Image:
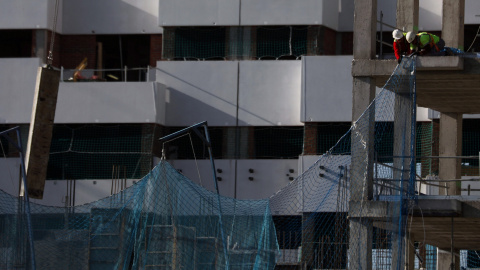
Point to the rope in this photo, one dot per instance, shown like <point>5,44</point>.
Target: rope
<point>52,38</point>
<point>195,158</point>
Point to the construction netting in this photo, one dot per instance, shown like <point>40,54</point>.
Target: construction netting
<point>96,151</point>
<point>165,221</point>
<point>349,210</point>
<point>371,165</point>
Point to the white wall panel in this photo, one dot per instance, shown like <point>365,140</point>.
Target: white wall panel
<point>106,102</point>
<point>269,93</point>
<point>472,12</point>
<point>287,12</point>
<point>199,91</point>
<point>189,168</point>
<point>269,176</point>
<point>110,17</point>
<point>326,89</point>
<point>18,77</point>
<point>198,12</point>
<point>24,14</point>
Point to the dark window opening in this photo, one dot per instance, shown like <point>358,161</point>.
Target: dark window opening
<point>277,41</point>
<point>118,51</point>
<point>206,43</point>
<point>191,146</point>
<point>278,142</point>
<point>328,134</point>
<point>15,43</point>
<point>93,151</point>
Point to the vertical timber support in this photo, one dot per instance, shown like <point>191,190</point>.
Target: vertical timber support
<point>40,133</point>
<point>361,189</point>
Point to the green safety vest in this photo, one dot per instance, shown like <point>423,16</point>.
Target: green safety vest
<point>424,39</point>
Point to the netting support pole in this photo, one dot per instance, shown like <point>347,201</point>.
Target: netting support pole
<point>18,146</point>
<point>206,140</point>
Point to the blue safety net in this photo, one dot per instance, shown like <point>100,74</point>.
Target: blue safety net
<point>348,210</point>
<point>164,221</point>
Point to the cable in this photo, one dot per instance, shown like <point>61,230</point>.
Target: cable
<point>476,35</point>
<point>195,158</point>
<point>52,38</point>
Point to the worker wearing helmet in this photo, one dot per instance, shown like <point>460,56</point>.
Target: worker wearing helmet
<point>425,43</point>
<point>400,45</point>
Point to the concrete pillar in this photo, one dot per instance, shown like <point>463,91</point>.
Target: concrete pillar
<point>40,133</point>
<point>361,188</point>
<point>453,19</point>
<point>364,29</point>
<point>444,259</point>
<point>450,138</point>
<point>407,15</point>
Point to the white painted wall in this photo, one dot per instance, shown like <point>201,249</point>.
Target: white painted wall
<point>110,17</point>
<point>248,12</point>
<point>25,14</point>
<point>18,77</point>
<point>199,12</point>
<point>472,12</point>
<point>326,89</point>
<point>286,12</point>
<point>269,93</point>
<point>199,91</point>
<point>106,102</point>
<point>204,175</point>
<point>269,176</point>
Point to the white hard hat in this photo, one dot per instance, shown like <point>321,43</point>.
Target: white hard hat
<point>397,34</point>
<point>410,36</point>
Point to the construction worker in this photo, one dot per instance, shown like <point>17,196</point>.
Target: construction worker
<point>400,45</point>
<point>425,43</point>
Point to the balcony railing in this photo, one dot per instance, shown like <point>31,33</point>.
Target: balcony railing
<point>142,74</point>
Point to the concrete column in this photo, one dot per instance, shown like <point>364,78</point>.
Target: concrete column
<point>361,188</point>
<point>40,133</point>
<point>453,20</point>
<point>407,15</point>
<point>450,138</point>
<point>364,29</point>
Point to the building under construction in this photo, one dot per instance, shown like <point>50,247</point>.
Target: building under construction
<point>299,167</point>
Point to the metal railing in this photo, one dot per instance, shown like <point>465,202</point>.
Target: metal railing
<point>141,74</point>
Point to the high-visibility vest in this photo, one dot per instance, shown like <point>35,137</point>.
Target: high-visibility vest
<point>425,38</point>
